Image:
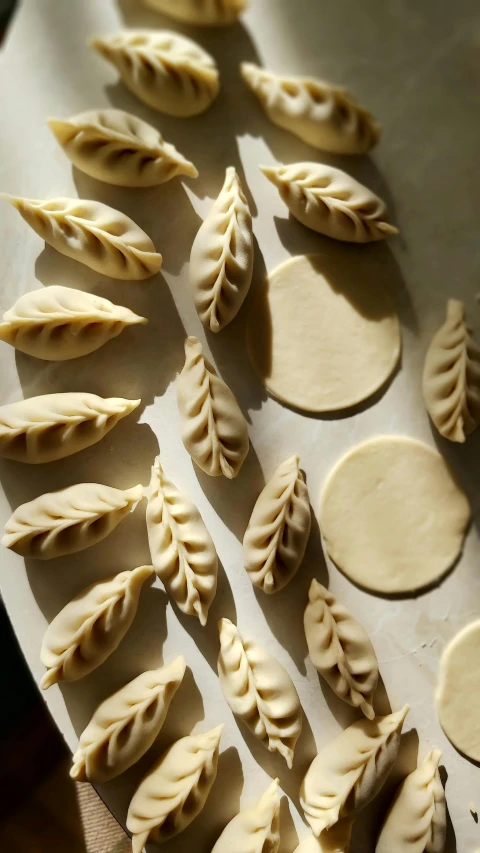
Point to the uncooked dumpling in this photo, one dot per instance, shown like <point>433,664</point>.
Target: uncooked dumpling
<point>90,627</point>
<point>451,377</point>
<point>166,70</point>
<point>181,548</point>
<point>175,790</point>
<point>69,520</point>
<point>334,840</point>
<point>392,515</point>
<point>92,233</point>
<point>331,202</point>
<point>58,323</point>
<point>458,691</point>
<point>119,148</point>
<point>221,261</point>
<point>322,115</point>
<point>349,772</point>
<point>52,426</point>
<point>126,724</point>
<point>259,691</point>
<point>256,829</point>
<point>213,428</point>
<point>200,12</point>
<point>278,530</point>
<point>340,649</point>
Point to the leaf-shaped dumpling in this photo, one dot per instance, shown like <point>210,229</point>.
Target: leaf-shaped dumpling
<point>349,772</point>
<point>58,323</point>
<point>119,148</point>
<point>98,236</point>
<point>52,426</point>
<point>334,840</point>
<point>221,261</point>
<point>278,530</point>
<point>166,70</point>
<point>451,377</point>
<point>91,626</point>
<point>69,520</point>
<point>209,13</point>
<point>256,829</point>
<point>174,791</point>
<point>340,649</point>
<point>182,551</point>
<point>331,202</point>
<point>259,691</point>
<point>126,724</point>
<point>322,115</point>
<point>213,428</point>
<point>417,819</point>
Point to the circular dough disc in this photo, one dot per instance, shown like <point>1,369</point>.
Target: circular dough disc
<point>392,516</point>
<point>323,333</point>
<point>458,692</point>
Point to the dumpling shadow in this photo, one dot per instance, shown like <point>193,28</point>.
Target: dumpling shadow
<point>451,841</point>
<point>288,833</point>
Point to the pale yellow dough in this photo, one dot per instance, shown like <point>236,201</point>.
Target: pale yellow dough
<point>392,516</point>
<point>323,334</point>
<point>458,691</point>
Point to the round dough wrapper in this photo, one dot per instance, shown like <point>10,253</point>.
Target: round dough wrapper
<point>392,515</point>
<point>323,334</point>
<point>458,692</point>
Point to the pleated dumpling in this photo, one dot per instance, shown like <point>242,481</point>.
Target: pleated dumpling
<point>256,829</point>
<point>334,840</point>
<point>349,772</point>
<point>181,548</point>
<point>210,13</point>
<point>126,724</point>
<point>166,70</point>
<point>213,428</point>
<point>52,426</point>
<point>221,261</point>
<point>331,202</point>
<point>92,233</point>
<point>340,649</point>
<point>69,520</point>
<point>58,323</point>
<point>91,626</point>
<point>259,691</point>
<point>277,533</point>
<point>320,114</point>
<point>417,819</point>
<point>119,148</point>
<point>451,377</point>
<point>175,790</point>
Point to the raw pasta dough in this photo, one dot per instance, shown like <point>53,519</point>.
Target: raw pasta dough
<point>58,323</point>
<point>119,148</point>
<point>200,12</point>
<point>334,840</point>
<point>256,829</point>
<point>458,691</point>
<point>392,516</point>
<point>322,333</point>
<point>92,233</point>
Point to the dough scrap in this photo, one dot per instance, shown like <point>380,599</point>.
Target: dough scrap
<point>52,426</point>
<point>323,335</point>
<point>458,691</point>
<point>349,772</point>
<point>451,377</point>
<point>221,261</point>
<point>277,534</point>
<point>175,790</point>
<point>331,202</point>
<point>118,148</point>
<point>213,428</point>
<point>334,840</point>
<point>69,520</point>
<point>200,12</point>
<point>392,515</point>
<point>340,649</point>
<point>256,829</point>
<point>259,691</point>
<point>92,233</point>
<point>58,323</point>
<point>182,550</point>
<point>90,627</point>
<point>126,724</point>
<point>166,70</point>
<point>320,114</point>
